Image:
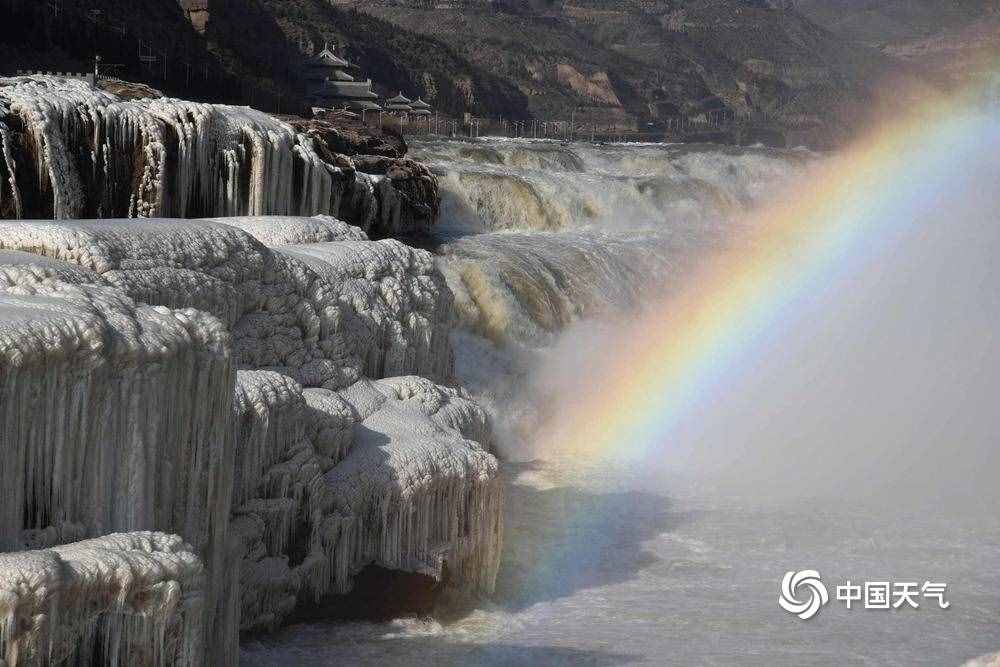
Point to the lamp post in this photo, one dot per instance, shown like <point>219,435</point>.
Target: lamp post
<point>572,122</point>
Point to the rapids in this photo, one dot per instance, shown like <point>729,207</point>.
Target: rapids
<point>546,247</point>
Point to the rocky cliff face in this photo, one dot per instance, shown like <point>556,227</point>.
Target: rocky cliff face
<point>949,41</point>
<point>275,406</point>
<point>198,12</point>
<point>633,63</point>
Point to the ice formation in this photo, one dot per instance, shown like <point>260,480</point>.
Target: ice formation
<point>420,462</point>
<point>325,314</point>
<point>398,305</point>
<point>139,595</point>
<point>184,377</point>
<point>70,151</point>
<point>90,362</point>
<point>395,472</point>
<point>285,230</point>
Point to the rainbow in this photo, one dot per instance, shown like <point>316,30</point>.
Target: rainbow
<point>849,205</point>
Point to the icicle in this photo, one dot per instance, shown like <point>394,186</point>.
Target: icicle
<point>422,492</point>
<point>401,309</point>
<point>10,167</point>
<point>222,160</point>
<point>285,493</point>
<point>91,364</point>
<point>144,590</point>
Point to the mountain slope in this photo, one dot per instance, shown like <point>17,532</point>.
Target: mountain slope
<point>397,59</point>
<point>644,64</point>
<point>651,60</point>
<point>952,38</point>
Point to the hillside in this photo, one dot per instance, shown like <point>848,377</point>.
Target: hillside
<point>240,51</point>
<point>652,60</point>
<point>880,22</point>
<point>952,38</point>
<point>397,59</point>
<point>792,65</point>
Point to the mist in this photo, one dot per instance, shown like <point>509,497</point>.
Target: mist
<point>880,387</point>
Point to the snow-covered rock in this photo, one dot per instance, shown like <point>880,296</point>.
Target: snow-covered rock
<point>90,363</point>
<point>275,230</point>
<point>398,308</point>
<point>111,418</point>
<point>124,410</point>
<point>141,592</point>
<point>393,472</point>
<point>325,314</point>
<point>421,480</point>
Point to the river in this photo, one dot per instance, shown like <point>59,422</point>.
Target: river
<point>857,437</point>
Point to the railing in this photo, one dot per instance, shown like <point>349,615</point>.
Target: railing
<point>677,127</point>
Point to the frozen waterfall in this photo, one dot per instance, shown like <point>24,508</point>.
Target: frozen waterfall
<point>71,151</point>
<point>258,402</point>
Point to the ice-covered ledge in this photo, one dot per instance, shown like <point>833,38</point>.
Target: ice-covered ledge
<point>71,151</point>
<point>144,590</point>
<point>185,377</point>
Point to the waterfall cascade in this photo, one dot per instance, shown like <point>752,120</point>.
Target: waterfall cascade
<point>181,376</point>
<point>263,390</point>
<point>540,234</point>
<point>495,184</point>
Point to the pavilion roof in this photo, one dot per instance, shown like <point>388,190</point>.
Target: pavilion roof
<point>365,105</point>
<point>327,58</point>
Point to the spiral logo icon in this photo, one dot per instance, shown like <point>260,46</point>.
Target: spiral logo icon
<point>806,582</point>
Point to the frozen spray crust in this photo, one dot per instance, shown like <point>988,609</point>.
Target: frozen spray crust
<point>383,472</point>
<point>25,268</point>
<point>87,365</point>
<point>145,588</point>
<point>280,498</point>
<point>399,309</point>
<point>416,463</point>
<point>276,230</point>
<point>325,314</point>
<point>73,354</point>
<point>294,494</point>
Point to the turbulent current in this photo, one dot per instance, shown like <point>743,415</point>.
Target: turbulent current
<point>548,248</point>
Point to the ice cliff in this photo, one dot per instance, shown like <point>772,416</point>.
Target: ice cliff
<point>137,594</point>
<point>69,151</point>
<point>264,389</point>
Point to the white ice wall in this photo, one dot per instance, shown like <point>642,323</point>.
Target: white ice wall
<point>127,416</point>
<point>86,153</point>
<point>142,593</point>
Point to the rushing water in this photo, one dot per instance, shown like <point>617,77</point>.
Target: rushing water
<point>547,247</point>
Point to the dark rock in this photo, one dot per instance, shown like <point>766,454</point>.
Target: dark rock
<point>420,200</point>
<point>378,595</point>
<point>350,140</point>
